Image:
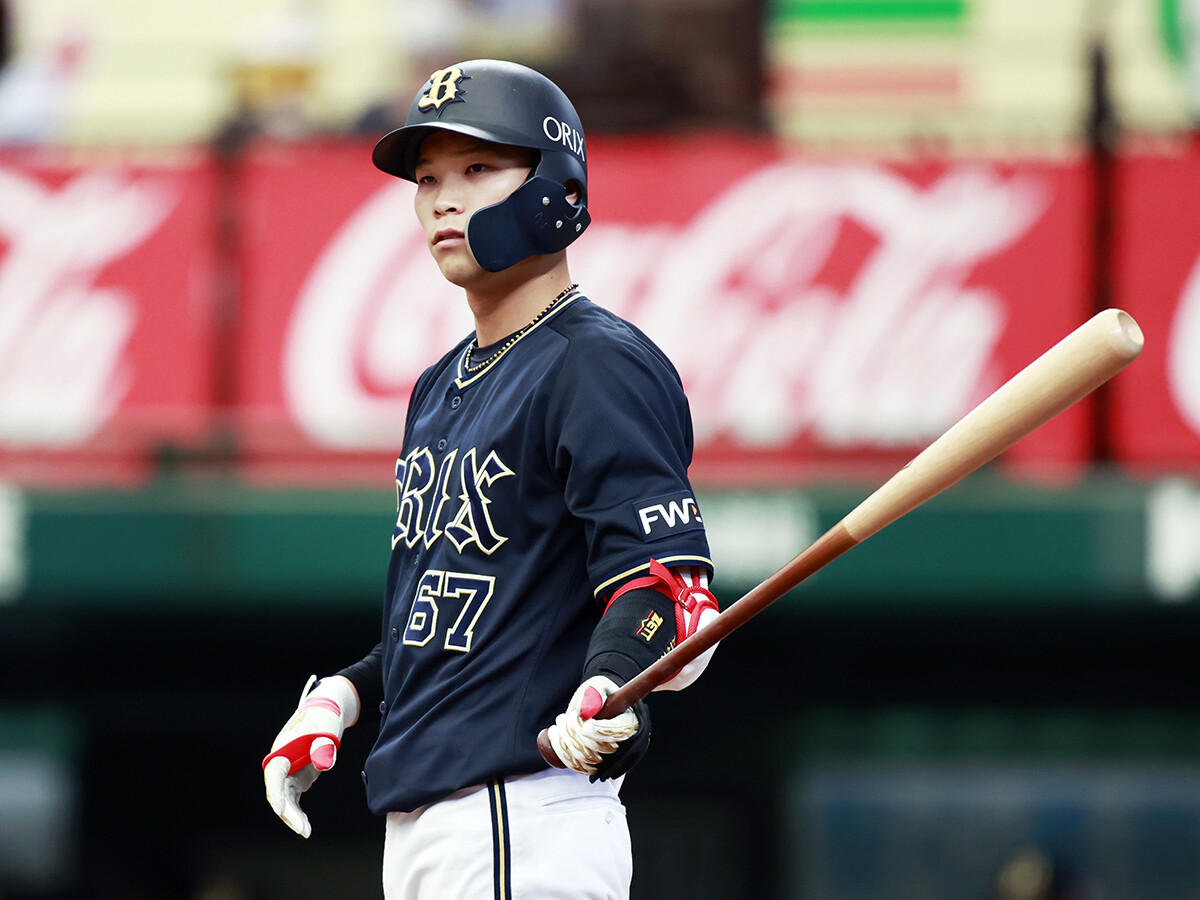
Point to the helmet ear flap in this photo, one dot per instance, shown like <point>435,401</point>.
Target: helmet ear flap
<point>537,218</point>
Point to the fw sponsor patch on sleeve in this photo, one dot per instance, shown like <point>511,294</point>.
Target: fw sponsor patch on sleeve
<point>671,514</point>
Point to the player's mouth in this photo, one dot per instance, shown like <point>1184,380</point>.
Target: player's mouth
<point>447,234</point>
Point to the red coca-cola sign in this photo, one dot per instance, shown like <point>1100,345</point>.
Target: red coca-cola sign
<point>105,311</point>
<point>1156,403</point>
<point>820,313</point>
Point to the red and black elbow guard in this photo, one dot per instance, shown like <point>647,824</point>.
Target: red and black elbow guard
<point>644,619</point>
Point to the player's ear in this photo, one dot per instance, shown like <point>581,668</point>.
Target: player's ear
<point>573,192</point>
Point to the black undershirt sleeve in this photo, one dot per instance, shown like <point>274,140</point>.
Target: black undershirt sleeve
<point>367,677</point>
<point>636,630</point>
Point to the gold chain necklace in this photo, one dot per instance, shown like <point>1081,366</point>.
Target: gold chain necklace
<point>474,345</point>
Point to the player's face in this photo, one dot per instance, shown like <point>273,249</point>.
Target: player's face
<point>457,175</point>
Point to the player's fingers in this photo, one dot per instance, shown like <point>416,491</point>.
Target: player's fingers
<point>275,774</point>
<point>609,732</point>
<point>323,753</point>
<point>294,817</point>
<point>282,795</point>
<point>571,751</point>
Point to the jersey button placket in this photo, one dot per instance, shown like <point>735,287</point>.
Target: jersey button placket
<point>455,403</point>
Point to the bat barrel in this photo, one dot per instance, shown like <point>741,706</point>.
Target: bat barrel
<point>1125,337</point>
<point>1066,373</point>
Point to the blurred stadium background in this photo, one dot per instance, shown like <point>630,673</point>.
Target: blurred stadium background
<point>846,220</point>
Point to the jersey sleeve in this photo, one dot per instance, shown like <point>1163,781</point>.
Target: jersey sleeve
<point>620,435</point>
<point>367,677</point>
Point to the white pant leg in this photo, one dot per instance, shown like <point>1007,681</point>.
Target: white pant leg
<point>443,850</point>
<point>570,838</point>
<point>548,836</point>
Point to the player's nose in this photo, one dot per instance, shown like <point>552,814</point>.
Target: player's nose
<point>447,201</point>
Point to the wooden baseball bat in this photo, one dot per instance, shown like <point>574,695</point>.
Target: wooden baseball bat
<point>1066,373</point>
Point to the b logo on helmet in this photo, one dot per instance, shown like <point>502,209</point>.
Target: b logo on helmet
<point>443,88</point>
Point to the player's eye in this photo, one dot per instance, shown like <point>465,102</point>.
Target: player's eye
<point>476,168</point>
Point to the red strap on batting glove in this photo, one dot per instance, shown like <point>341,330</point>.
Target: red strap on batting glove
<point>316,747</point>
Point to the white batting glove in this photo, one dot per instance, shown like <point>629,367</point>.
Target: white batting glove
<point>582,741</point>
<point>307,746</point>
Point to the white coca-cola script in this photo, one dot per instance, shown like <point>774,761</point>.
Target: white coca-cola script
<point>63,368</point>
<point>768,353</point>
<point>1183,362</point>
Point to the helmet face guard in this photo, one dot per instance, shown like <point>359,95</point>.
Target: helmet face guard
<point>503,103</point>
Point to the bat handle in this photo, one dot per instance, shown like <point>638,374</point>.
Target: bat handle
<point>829,546</point>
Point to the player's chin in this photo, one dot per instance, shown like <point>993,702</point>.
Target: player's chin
<point>457,265</point>
<point>461,271</point>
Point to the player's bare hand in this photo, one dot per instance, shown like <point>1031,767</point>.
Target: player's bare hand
<point>600,748</point>
<point>306,746</point>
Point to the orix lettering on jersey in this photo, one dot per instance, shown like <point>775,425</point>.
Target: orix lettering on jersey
<point>449,500</point>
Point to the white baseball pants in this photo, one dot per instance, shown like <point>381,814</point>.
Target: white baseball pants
<point>548,836</point>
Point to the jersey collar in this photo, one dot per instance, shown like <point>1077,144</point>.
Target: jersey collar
<point>463,378</point>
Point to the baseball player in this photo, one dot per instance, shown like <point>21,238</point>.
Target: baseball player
<point>547,544</point>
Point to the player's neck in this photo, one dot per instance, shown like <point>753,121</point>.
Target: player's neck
<point>506,305</point>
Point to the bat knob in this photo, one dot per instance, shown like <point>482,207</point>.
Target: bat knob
<point>547,750</point>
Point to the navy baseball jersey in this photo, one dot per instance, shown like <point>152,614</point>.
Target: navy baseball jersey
<point>527,489</point>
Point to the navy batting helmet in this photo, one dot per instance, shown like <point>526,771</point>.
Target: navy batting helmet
<point>504,103</point>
